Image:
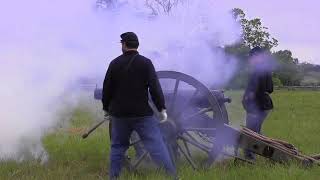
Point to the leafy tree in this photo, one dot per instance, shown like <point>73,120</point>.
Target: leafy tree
<point>311,74</point>
<point>276,81</point>
<point>288,70</point>
<point>307,67</point>
<point>254,33</point>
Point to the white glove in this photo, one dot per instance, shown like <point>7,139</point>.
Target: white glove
<point>163,116</point>
<point>106,115</point>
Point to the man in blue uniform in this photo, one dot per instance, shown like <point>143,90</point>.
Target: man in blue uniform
<point>129,80</point>
<point>256,99</point>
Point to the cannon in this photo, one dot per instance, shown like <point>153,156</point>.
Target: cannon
<point>194,113</point>
<point>198,127</point>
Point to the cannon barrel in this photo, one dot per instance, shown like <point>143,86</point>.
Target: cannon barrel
<point>198,101</point>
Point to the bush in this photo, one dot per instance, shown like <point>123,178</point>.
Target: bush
<point>277,82</point>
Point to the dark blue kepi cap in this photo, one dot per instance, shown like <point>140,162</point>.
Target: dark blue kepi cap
<point>256,50</point>
<point>129,37</point>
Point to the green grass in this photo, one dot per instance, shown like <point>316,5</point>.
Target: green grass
<point>295,119</point>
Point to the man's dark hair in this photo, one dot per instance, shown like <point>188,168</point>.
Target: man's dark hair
<point>256,50</point>
<point>132,44</point>
<point>130,39</point>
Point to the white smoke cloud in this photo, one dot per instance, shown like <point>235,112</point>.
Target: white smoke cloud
<point>186,40</point>
<point>47,45</point>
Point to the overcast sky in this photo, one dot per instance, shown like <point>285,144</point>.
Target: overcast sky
<point>295,23</point>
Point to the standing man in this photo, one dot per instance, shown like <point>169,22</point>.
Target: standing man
<point>129,79</point>
<point>256,100</point>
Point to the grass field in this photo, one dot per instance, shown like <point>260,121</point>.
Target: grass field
<point>296,118</point>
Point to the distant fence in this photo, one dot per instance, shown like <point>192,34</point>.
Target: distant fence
<point>293,88</point>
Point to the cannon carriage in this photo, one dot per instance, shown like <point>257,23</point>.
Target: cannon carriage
<point>198,127</point>
<point>194,113</point>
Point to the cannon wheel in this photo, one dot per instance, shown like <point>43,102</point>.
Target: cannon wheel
<point>192,119</point>
<point>212,97</point>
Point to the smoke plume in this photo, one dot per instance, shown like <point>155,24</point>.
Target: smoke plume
<point>46,46</point>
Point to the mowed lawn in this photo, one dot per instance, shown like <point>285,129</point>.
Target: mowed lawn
<point>296,118</point>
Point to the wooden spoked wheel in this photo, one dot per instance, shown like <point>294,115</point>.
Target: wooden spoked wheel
<point>194,114</point>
